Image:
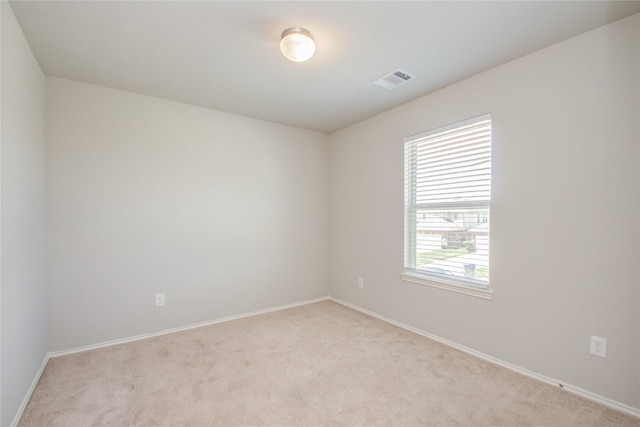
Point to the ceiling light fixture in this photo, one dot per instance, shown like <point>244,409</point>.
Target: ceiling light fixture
<point>297,44</point>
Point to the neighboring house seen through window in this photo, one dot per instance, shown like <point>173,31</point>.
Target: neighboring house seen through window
<point>447,203</point>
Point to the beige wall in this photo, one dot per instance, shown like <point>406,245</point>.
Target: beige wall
<point>23,337</point>
<point>222,213</point>
<point>565,213</point>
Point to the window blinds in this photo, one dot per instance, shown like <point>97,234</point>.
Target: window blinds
<point>447,201</point>
<point>451,166</point>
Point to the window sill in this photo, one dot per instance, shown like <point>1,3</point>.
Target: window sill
<point>448,285</point>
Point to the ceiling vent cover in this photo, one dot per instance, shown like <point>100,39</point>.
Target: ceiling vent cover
<point>394,79</point>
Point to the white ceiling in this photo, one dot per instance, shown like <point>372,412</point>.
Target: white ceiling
<point>225,55</point>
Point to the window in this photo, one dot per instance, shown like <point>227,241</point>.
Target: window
<point>447,203</point>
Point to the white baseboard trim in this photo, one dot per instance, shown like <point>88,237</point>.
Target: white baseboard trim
<point>181,328</point>
<point>27,396</point>
<point>573,389</point>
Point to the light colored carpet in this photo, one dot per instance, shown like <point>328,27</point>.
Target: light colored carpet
<point>321,364</point>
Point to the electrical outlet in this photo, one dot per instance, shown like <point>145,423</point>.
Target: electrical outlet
<point>599,346</point>
<point>360,283</point>
<point>159,300</point>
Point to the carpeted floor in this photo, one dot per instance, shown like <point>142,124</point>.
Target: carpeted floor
<point>321,364</point>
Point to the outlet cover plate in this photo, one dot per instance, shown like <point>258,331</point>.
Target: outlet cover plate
<point>598,346</point>
<point>159,300</point>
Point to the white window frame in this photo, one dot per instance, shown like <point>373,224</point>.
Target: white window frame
<point>464,285</point>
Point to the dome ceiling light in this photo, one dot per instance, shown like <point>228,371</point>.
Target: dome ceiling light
<point>297,44</point>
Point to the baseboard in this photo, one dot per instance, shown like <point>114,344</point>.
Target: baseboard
<point>27,396</point>
<point>181,328</point>
<point>522,371</point>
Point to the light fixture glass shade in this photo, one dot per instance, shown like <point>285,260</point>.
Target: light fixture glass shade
<point>297,44</point>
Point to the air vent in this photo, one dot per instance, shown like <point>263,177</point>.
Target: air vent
<point>394,79</point>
